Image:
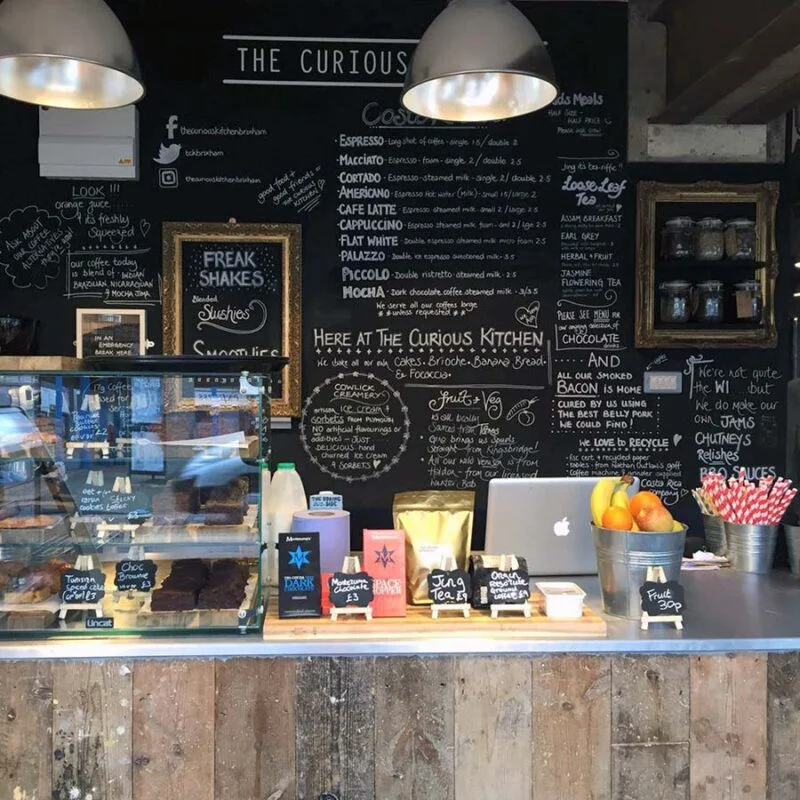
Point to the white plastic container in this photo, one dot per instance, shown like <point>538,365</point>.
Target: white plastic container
<point>562,599</point>
<point>286,495</point>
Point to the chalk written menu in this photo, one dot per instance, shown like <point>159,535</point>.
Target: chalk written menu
<point>467,288</point>
<point>232,298</point>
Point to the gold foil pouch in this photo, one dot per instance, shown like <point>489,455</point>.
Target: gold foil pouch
<point>436,524</point>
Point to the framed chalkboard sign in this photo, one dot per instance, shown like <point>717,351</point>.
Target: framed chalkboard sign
<point>233,289</point>
<point>110,332</point>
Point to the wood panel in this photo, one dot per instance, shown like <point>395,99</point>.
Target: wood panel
<point>91,747</point>
<point>335,744</point>
<point>26,718</point>
<point>493,728</point>
<point>783,721</point>
<point>571,728</point>
<point>173,730</point>
<point>414,728</point>
<point>728,727</point>
<point>418,622</point>
<point>650,728</point>
<point>255,728</point>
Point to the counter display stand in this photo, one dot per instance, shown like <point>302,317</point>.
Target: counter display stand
<point>158,471</point>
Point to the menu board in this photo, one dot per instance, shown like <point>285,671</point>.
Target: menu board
<point>467,288</point>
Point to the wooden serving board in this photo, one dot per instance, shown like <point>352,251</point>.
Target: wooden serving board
<point>419,623</point>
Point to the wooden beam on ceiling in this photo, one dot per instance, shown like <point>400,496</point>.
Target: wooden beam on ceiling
<point>714,47</point>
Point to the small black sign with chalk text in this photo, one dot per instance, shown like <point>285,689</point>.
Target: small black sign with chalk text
<point>99,623</point>
<point>662,599</point>
<point>82,586</point>
<point>135,576</point>
<point>508,586</point>
<point>449,586</point>
<point>350,589</point>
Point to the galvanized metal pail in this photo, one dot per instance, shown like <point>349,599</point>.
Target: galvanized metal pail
<point>793,546</point>
<point>751,548</point>
<point>714,528</point>
<point>622,561</point>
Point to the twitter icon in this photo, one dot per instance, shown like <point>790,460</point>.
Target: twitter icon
<point>167,155</point>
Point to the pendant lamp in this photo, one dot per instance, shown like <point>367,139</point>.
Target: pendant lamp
<point>66,54</point>
<point>480,60</point>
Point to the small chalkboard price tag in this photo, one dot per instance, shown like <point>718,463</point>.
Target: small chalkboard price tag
<point>82,587</point>
<point>350,589</point>
<point>449,586</point>
<point>509,587</point>
<point>135,576</point>
<point>662,599</point>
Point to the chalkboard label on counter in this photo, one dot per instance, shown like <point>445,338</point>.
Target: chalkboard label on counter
<point>509,587</point>
<point>99,623</point>
<point>449,586</point>
<point>350,589</point>
<point>299,587</point>
<point>136,576</point>
<point>80,586</point>
<point>662,599</point>
<point>97,500</point>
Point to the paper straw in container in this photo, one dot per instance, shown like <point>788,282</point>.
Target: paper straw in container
<point>741,501</point>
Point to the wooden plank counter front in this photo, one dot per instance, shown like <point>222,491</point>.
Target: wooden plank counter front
<point>528,727</point>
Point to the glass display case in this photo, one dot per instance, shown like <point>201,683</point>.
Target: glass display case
<point>130,501</point>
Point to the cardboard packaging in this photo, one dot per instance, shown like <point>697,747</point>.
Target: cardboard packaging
<point>299,586</point>
<point>385,561</point>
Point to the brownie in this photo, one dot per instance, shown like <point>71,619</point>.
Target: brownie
<point>221,596</point>
<point>223,513</point>
<point>173,600</point>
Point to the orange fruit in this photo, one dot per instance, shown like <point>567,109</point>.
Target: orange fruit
<point>617,519</point>
<point>643,501</point>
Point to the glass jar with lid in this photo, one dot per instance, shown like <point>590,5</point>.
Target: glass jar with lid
<point>675,302</point>
<point>740,239</point>
<point>677,238</point>
<point>748,304</point>
<point>709,239</point>
<point>710,302</point>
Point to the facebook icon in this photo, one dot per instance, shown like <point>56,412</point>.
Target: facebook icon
<point>172,126</point>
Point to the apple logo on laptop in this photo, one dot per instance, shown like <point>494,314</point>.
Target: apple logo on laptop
<point>561,528</point>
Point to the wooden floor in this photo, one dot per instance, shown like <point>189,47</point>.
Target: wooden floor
<point>464,728</point>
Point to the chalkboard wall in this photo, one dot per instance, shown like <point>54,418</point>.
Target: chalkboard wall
<point>467,290</point>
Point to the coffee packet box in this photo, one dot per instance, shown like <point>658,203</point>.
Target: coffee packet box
<point>299,583</point>
<point>481,566</point>
<point>385,562</point>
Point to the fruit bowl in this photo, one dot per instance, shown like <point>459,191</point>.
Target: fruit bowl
<point>623,558</point>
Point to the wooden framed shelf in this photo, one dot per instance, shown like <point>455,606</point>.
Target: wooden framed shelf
<point>658,201</point>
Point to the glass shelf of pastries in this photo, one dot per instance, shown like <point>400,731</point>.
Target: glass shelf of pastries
<point>129,501</point>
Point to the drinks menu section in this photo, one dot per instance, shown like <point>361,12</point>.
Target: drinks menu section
<point>468,289</point>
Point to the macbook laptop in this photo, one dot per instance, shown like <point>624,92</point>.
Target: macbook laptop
<point>545,520</point>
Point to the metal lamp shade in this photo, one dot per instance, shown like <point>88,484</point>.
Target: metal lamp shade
<point>66,54</point>
<point>480,60</point>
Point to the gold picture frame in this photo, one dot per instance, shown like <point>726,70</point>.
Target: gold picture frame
<point>764,196</point>
<point>174,235</point>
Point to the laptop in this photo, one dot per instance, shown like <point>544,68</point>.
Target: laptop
<point>545,520</point>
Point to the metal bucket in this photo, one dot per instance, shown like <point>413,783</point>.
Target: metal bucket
<point>622,561</point>
<point>714,529</point>
<point>751,548</point>
<point>793,546</point>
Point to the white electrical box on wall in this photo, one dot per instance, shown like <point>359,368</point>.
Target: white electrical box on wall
<point>89,144</point>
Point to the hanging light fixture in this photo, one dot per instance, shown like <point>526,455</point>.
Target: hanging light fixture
<point>66,54</point>
<point>479,60</point>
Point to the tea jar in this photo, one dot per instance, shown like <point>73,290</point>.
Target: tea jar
<point>740,239</point>
<point>748,303</point>
<point>677,238</point>
<point>675,302</point>
<point>710,302</point>
<point>709,239</point>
